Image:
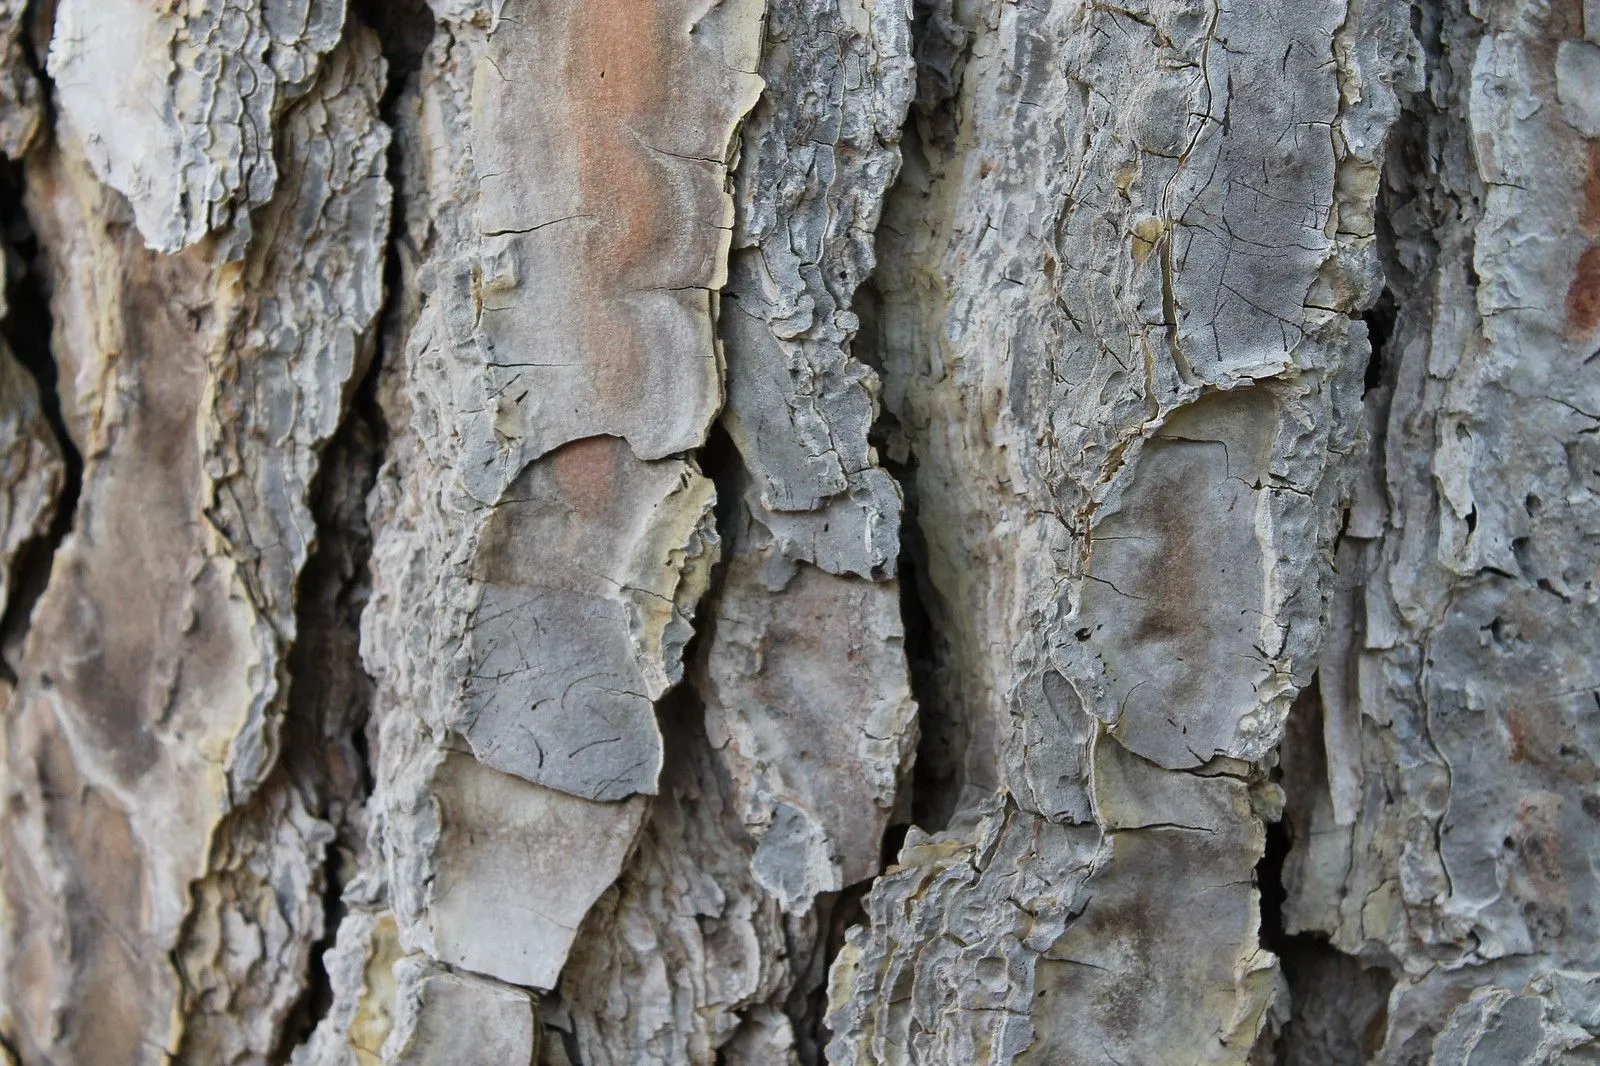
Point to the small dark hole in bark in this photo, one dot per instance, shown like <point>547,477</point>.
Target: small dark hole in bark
<point>1380,320</point>
<point>894,838</point>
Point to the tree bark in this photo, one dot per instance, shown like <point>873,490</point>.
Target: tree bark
<point>853,531</point>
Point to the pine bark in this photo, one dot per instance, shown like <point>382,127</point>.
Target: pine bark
<point>794,531</point>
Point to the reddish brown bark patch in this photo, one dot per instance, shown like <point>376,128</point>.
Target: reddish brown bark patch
<point>1583,297</point>
<point>1589,214</point>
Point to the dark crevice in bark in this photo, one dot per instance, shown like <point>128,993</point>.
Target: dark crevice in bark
<point>41,21</point>
<point>556,1025</point>
<point>934,781</point>
<point>405,29</point>
<point>930,793</point>
<point>27,329</point>
<point>807,1008</point>
<point>330,695</point>
<point>720,461</point>
<point>894,838</point>
<point>940,46</point>
<point>1337,1007</point>
<point>1380,320</point>
<point>326,743</point>
<point>930,800</point>
<point>1269,883</point>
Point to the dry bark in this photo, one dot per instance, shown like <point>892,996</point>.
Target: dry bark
<point>716,531</point>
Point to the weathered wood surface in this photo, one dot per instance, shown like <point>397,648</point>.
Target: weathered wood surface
<point>717,531</point>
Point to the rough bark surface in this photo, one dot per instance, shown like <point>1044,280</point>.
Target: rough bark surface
<point>860,531</point>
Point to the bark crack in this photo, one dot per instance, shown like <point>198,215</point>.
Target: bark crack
<point>27,329</point>
<point>336,581</point>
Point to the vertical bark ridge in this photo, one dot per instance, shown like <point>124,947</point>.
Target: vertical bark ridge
<point>541,550</point>
<point>164,867</point>
<point>1450,845</point>
<point>1079,307</point>
<point>803,726</point>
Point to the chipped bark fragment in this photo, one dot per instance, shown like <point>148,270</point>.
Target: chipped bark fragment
<point>189,139</point>
<point>485,874</point>
<point>575,709</point>
<point>600,137</point>
<point>449,1018</point>
<point>1178,620</point>
<point>1182,603</point>
<point>814,720</point>
<point>591,566</point>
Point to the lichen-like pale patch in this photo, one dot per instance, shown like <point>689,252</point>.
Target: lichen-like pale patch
<point>177,109</point>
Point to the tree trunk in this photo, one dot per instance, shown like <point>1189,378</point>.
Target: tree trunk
<point>714,531</point>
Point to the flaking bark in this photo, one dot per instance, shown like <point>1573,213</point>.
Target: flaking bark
<point>740,531</point>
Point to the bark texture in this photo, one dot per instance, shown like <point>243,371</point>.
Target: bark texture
<point>793,531</point>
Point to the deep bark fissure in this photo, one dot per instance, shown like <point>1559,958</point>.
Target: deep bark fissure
<point>1380,320</point>
<point>940,45</point>
<point>1337,1003</point>
<point>405,29</point>
<point>27,329</point>
<point>341,557</point>
<point>933,790</point>
<point>1270,885</point>
<point>339,563</point>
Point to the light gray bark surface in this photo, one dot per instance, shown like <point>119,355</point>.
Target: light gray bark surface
<point>784,531</point>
